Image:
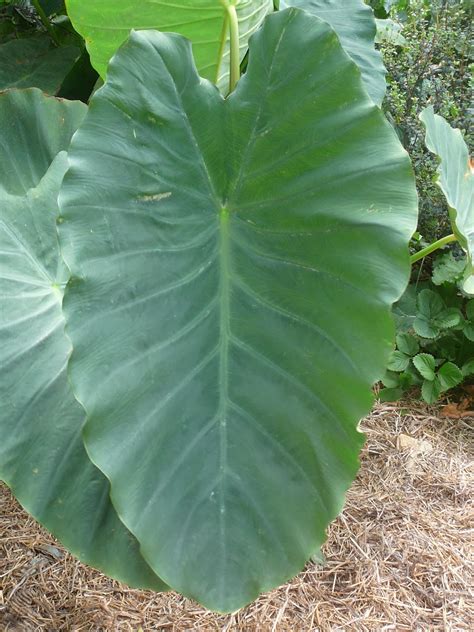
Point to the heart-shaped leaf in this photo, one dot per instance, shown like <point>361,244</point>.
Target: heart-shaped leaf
<point>355,26</point>
<point>218,247</point>
<point>42,456</point>
<point>35,62</point>
<point>106,24</point>
<point>456,180</point>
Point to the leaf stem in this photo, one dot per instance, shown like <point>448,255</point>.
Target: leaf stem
<point>45,20</point>
<point>234,47</point>
<point>432,247</point>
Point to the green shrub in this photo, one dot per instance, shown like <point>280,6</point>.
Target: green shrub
<point>432,67</point>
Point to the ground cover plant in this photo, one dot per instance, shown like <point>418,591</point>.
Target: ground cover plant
<point>176,283</point>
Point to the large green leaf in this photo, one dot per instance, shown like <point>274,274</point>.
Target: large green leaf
<point>106,24</point>
<point>35,62</point>
<point>355,26</point>
<point>234,262</point>
<point>42,456</point>
<point>456,180</point>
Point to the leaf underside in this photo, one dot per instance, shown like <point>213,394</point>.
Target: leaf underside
<point>106,24</point>
<point>42,456</point>
<point>218,248</point>
<point>456,179</point>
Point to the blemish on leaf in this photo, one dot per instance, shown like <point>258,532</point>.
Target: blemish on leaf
<point>154,198</point>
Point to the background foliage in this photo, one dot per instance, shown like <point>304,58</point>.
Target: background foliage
<point>432,66</point>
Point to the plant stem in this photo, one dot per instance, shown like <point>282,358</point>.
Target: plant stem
<point>234,47</point>
<point>432,247</point>
<point>45,20</point>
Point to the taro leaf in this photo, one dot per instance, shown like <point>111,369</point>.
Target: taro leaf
<point>42,456</point>
<point>218,247</point>
<point>456,180</point>
<point>33,62</point>
<point>354,24</point>
<point>106,24</point>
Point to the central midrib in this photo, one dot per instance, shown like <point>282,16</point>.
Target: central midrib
<point>224,335</point>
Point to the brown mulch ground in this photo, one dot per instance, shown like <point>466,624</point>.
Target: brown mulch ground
<point>400,556</point>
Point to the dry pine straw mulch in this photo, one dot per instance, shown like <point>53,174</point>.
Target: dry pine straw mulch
<point>399,557</point>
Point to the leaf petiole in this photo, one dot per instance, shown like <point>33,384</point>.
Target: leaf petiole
<point>432,247</point>
<point>45,20</point>
<point>234,47</point>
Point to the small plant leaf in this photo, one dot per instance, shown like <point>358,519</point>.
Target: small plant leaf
<point>447,269</point>
<point>408,344</point>
<point>449,376</point>
<point>468,368</point>
<point>470,310</point>
<point>430,391</point>
<point>425,327</point>
<point>391,379</point>
<point>468,330</point>
<point>425,363</point>
<point>398,361</point>
<point>448,318</point>
<point>430,304</point>
<point>390,394</point>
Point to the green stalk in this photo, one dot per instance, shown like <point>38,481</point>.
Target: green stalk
<point>432,247</point>
<point>45,20</point>
<point>234,47</point>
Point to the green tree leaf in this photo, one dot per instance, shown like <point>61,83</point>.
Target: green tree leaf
<point>354,24</point>
<point>430,391</point>
<point>218,247</point>
<point>33,62</point>
<point>449,376</point>
<point>106,24</point>
<point>42,456</point>
<point>425,363</point>
<point>456,180</point>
